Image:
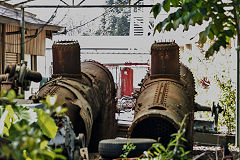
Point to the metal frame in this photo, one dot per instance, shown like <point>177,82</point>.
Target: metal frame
<point>86,6</point>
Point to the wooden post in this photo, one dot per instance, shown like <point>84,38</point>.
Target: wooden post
<point>2,51</point>
<point>22,35</point>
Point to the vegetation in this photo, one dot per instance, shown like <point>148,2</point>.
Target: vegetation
<point>227,100</point>
<point>27,131</point>
<point>127,148</point>
<point>116,21</point>
<point>219,70</point>
<point>222,18</point>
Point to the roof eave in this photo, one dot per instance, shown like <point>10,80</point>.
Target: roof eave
<point>6,20</point>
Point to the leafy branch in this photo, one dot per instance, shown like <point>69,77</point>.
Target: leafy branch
<point>223,22</point>
<point>26,130</point>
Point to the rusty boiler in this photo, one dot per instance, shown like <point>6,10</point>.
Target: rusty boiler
<point>165,97</point>
<point>87,90</point>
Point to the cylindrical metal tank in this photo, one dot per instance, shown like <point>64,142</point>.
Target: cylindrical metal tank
<point>160,108</point>
<point>165,60</point>
<point>164,100</point>
<point>66,58</point>
<point>89,98</point>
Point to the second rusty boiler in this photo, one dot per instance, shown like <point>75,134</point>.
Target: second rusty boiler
<point>86,89</point>
<point>164,98</point>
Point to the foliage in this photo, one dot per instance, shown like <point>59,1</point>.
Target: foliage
<point>227,101</point>
<point>173,151</point>
<point>222,18</point>
<point>116,20</point>
<point>26,130</point>
<point>127,148</point>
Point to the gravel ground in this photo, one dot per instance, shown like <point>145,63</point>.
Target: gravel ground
<point>199,153</point>
<point>213,153</point>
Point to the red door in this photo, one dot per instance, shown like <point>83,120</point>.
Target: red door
<point>126,81</point>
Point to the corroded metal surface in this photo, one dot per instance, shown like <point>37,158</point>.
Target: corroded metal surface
<point>66,58</point>
<point>16,76</point>
<point>187,79</point>
<point>90,99</point>
<point>160,108</point>
<point>165,60</point>
<point>165,97</point>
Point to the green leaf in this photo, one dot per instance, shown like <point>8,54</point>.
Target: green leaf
<point>9,119</point>
<point>50,154</point>
<point>58,150</point>
<point>156,9</point>
<point>186,153</point>
<point>209,52</point>
<point>210,35</point>
<point>169,26</point>
<point>176,23</point>
<point>202,37</point>
<point>25,155</point>
<point>175,3</point>
<point>157,149</point>
<point>51,100</point>
<point>185,7</point>
<point>11,95</point>
<point>3,93</point>
<point>214,29</point>
<point>203,11</point>
<point>228,33</point>
<point>46,123</point>
<point>158,28</point>
<point>43,144</point>
<point>162,148</point>
<point>182,138</point>
<point>189,60</point>
<point>166,5</point>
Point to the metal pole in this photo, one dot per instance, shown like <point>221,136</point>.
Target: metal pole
<point>237,138</point>
<point>86,6</point>
<point>22,35</point>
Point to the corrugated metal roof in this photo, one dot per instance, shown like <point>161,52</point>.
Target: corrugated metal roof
<point>10,15</point>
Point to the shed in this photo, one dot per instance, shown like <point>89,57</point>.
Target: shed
<point>36,32</point>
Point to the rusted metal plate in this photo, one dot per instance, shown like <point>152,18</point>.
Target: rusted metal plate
<point>186,77</point>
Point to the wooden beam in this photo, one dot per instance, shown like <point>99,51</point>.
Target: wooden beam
<point>12,33</point>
